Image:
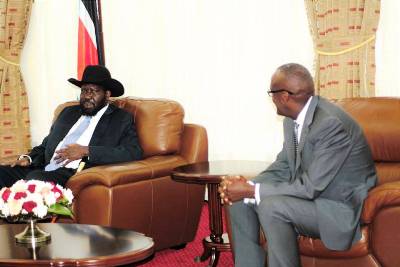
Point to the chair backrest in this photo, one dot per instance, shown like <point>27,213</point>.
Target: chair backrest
<point>380,119</point>
<point>159,123</point>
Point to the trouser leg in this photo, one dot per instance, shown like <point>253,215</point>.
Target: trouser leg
<point>59,176</point>
<point>245,235</point>
<point>282,219</point>
<point>9,175</point>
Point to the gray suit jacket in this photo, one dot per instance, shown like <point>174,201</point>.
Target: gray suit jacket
<point>334,168</point>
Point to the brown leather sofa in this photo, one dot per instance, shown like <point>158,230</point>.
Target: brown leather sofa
<point>380,244</point>
<point>141,195</point>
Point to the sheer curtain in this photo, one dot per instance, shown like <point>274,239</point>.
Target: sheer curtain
<point>14,109</point>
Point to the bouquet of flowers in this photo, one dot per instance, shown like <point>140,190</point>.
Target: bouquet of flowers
<point>34,199</point>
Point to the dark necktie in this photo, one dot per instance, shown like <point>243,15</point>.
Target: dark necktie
<point>295,139</point>
<point>69,139</point>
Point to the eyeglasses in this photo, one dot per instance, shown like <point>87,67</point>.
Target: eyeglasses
<point>272,92</point>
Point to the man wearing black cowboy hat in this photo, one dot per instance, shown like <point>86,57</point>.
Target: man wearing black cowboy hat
<point>96,131</point>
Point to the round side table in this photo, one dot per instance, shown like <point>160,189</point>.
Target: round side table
<point>211,173</point>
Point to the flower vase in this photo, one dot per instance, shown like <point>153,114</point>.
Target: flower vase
<point>32,234</point>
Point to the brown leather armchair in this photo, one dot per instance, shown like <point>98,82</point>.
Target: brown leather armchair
<point>141,195</point>
<point>380,244</point>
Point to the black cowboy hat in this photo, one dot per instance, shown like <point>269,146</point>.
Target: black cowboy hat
<point>97,74</point>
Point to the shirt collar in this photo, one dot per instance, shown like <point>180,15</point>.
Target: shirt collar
<point>302,115</point>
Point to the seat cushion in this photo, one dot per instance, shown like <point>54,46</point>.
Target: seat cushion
<point>315,248</point>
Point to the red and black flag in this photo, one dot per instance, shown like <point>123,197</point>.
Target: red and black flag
<point>90,35</point>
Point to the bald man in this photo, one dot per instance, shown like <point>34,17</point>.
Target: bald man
<point>315,187</point>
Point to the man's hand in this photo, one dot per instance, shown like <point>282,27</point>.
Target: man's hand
<point>70,153</point>
<point>235,188</point>
<point>24,162</point>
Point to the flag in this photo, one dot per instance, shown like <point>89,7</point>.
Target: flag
<point>90,35</point>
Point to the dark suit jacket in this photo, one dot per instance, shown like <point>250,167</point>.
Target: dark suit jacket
<point>334,168</point>
<point>114,138</point>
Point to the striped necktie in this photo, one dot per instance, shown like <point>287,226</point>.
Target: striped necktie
<point>69,139</point>
<point>295,139</point>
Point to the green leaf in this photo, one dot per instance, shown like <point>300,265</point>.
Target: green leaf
<point>59,209</point>
<point>63,201</point>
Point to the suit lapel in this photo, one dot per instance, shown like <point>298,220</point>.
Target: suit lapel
<point>64,124</point>
<point>306,128</point>
<point>288,136</point>
<point>101,126</point>
<point>67,123</point>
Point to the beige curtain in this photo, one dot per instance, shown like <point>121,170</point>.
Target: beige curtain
<point>344,41</point>
<point>14,110</point>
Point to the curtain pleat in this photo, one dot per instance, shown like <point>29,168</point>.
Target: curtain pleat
<point>343,32</point>
<point>14,109</point>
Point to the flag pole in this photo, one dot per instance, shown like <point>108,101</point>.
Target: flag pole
<point>90,35</point>
<point>100,51</point>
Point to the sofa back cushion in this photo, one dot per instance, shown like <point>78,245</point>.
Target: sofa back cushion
<point>380,119</point>
<point>159,123</point>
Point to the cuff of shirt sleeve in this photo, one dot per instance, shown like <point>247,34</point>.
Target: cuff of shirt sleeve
<point>25,156</point>
<point>257,193</point>
<point>256,199</point>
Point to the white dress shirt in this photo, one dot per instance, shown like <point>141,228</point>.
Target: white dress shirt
<point>85,138</point>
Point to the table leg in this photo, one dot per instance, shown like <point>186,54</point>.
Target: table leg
<point>216,227</point>
<point>214,258</point>
<point>215,213</point>
<point>209,252</point>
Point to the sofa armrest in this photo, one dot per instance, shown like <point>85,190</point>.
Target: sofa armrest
<point>194,144</point>
<point>382,196</point>
<point>124,173</point>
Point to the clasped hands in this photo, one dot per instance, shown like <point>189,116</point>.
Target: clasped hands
<point>70,153</point>
<point>235,188</point>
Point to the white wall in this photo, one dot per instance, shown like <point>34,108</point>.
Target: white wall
<point>48,60</point>
<point>387,50</point>
<point>214,57</point>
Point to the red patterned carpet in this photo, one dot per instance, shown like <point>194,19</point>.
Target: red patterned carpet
<point>184,257</point>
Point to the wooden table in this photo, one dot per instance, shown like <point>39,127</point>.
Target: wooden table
<point>75,245</point>
<point>211,173</point>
